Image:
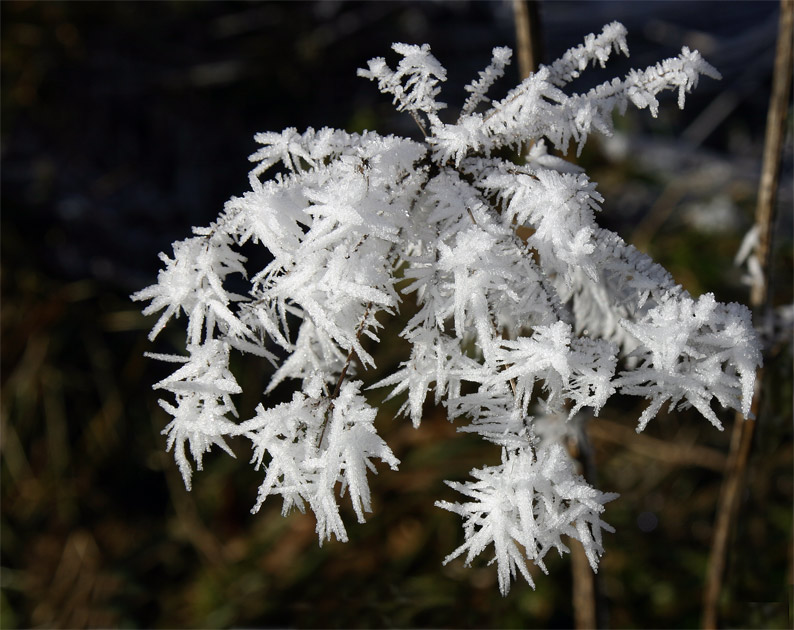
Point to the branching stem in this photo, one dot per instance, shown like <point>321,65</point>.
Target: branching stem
<point>342,375</point>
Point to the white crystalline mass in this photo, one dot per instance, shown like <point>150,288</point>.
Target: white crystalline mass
<point>527,311</point>
<point>313,443</point>
<point>523,507</point>
<point>690,352</point>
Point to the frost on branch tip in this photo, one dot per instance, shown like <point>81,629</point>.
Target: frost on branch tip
<point>312,444</point>
<point>523,507</point>
<point>518,338</point>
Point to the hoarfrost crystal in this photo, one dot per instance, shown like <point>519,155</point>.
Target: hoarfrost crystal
<point>537,328</point>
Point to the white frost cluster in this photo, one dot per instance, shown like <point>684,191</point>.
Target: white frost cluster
<point>526,309</point>
<point>532,500</point>
<point>311,444</point>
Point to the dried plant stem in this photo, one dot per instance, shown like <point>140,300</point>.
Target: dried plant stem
<point>743,430</point>
<point>527,36</point>
<point>773,144</point>
<point>584,595</point>
<point>343,374</point>
<point>528,51</point>
<point>727,511</point>
<point>589,605</point>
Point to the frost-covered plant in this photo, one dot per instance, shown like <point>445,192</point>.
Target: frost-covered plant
<point>509,333</point>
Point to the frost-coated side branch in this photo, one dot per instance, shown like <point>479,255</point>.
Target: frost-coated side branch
<point>513,336</point>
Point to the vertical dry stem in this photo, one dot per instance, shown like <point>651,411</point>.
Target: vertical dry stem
<point>584,595</point>
<point>589,607</point>
<point>773,145</point>
<point>528,51</point>
<point>527,36</point>
<point>741,439</point>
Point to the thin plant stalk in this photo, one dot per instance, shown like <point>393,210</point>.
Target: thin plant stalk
<point>528,48</point>
<point>743,430</point>
<point>528,52</point>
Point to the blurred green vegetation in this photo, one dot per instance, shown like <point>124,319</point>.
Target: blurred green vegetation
<point>97,529</point>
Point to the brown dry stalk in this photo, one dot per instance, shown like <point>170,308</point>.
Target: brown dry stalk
<point>343,374</point>
<point>528,51</point>
<point>584,596</point>
<point>773,144</point>
<point>743,430</point>
<point>527,36</point>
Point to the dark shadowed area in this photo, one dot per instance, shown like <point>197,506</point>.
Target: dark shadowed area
<point>126,123</point>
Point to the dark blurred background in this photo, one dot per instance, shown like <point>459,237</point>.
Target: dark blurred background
<point>124,124</point>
